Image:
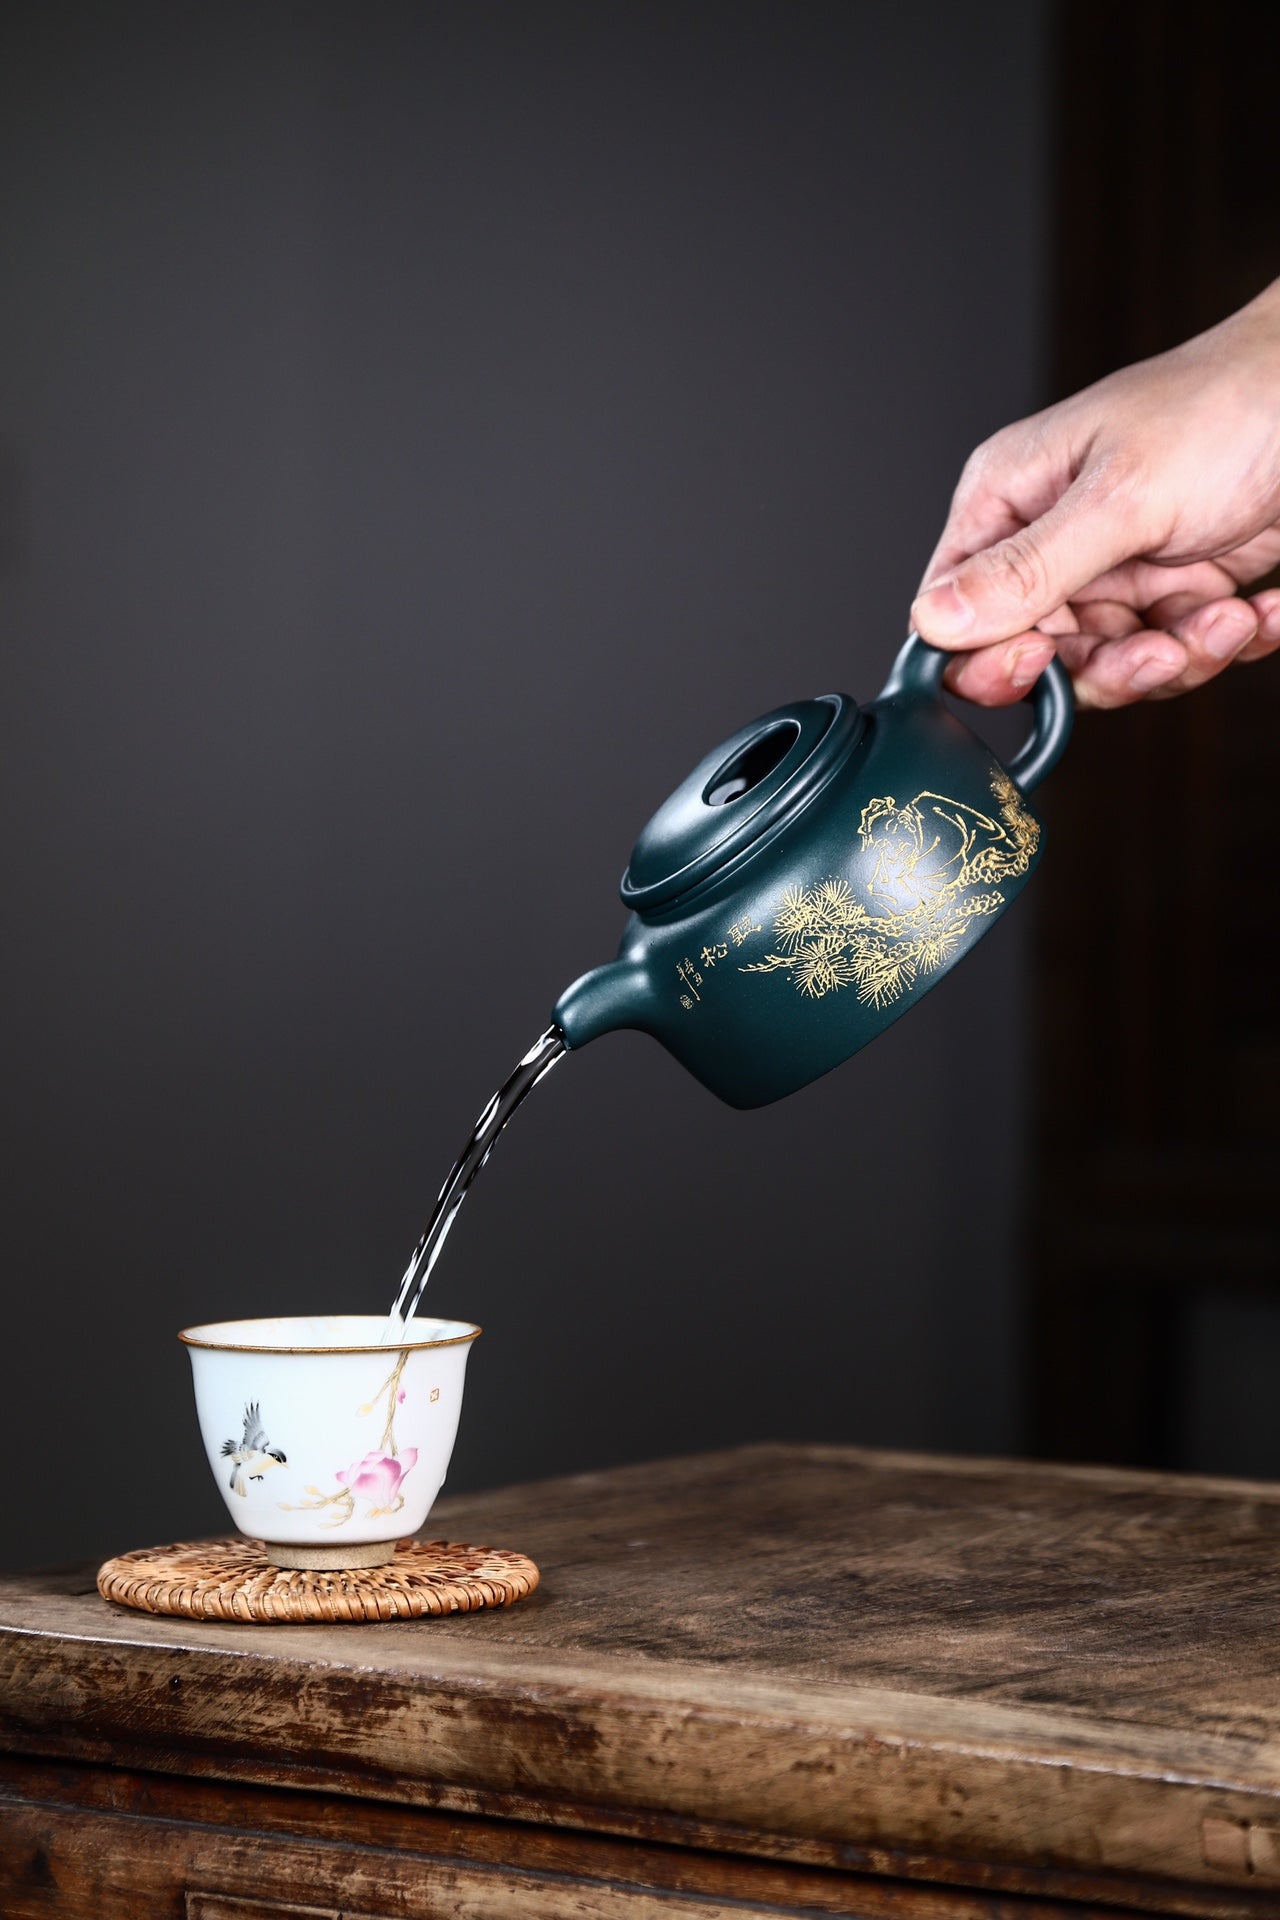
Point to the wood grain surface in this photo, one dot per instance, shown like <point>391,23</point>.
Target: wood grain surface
<point>1064,1682</point>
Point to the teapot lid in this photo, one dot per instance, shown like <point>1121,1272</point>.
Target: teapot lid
<point>740,791</point>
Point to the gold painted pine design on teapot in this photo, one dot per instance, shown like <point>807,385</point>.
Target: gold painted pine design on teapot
<point>938,863</point>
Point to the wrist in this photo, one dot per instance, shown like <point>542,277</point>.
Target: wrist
<point>1256,327</point>
<point>1266,302</point>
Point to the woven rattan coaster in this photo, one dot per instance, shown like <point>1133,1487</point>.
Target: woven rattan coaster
<point>233,1580</point>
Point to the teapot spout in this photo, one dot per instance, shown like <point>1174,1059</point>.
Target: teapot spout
<point>617,995</point>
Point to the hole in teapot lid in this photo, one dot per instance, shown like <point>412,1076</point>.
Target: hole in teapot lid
<point>752,764</point>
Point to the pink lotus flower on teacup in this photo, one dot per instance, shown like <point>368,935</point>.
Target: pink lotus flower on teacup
<point>378,1477</point>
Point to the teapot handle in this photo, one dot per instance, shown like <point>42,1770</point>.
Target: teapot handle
<point>919,668</point>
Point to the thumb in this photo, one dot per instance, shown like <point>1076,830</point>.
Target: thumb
<point>1005,589</point>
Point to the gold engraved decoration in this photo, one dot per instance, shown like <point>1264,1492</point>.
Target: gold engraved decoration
<point>935,864</point>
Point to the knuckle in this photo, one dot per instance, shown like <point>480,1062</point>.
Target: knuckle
<point>974,468</point>
<point>1016,567</point>
<point>987,457</point>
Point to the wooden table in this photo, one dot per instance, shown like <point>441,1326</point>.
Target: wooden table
<point>779,1680</point>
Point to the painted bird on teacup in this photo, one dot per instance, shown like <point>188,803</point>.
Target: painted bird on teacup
<point>252,1456</point>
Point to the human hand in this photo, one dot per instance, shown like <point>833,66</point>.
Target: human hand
<point>1119,527</point>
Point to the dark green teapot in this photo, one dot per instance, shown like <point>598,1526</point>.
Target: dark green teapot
<point>814,876</point>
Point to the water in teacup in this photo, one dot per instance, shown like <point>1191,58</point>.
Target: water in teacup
<point>538,1062</point>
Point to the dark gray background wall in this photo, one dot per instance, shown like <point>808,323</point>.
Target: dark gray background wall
<point>425,431</point>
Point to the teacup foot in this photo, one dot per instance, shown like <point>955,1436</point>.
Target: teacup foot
<point>326,1558</point>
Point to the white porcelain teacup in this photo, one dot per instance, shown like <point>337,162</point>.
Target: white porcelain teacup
<point>328,1445</point>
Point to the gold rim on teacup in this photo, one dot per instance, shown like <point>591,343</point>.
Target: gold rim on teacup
<point>192,1337</point>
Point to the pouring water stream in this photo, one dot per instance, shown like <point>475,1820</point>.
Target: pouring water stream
<point>535,1065</point>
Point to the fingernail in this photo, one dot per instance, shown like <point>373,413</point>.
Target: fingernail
<point>1227,634</point>
<point>1154,671</point>
<point>942,612</point>
<point>1028,664</point>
